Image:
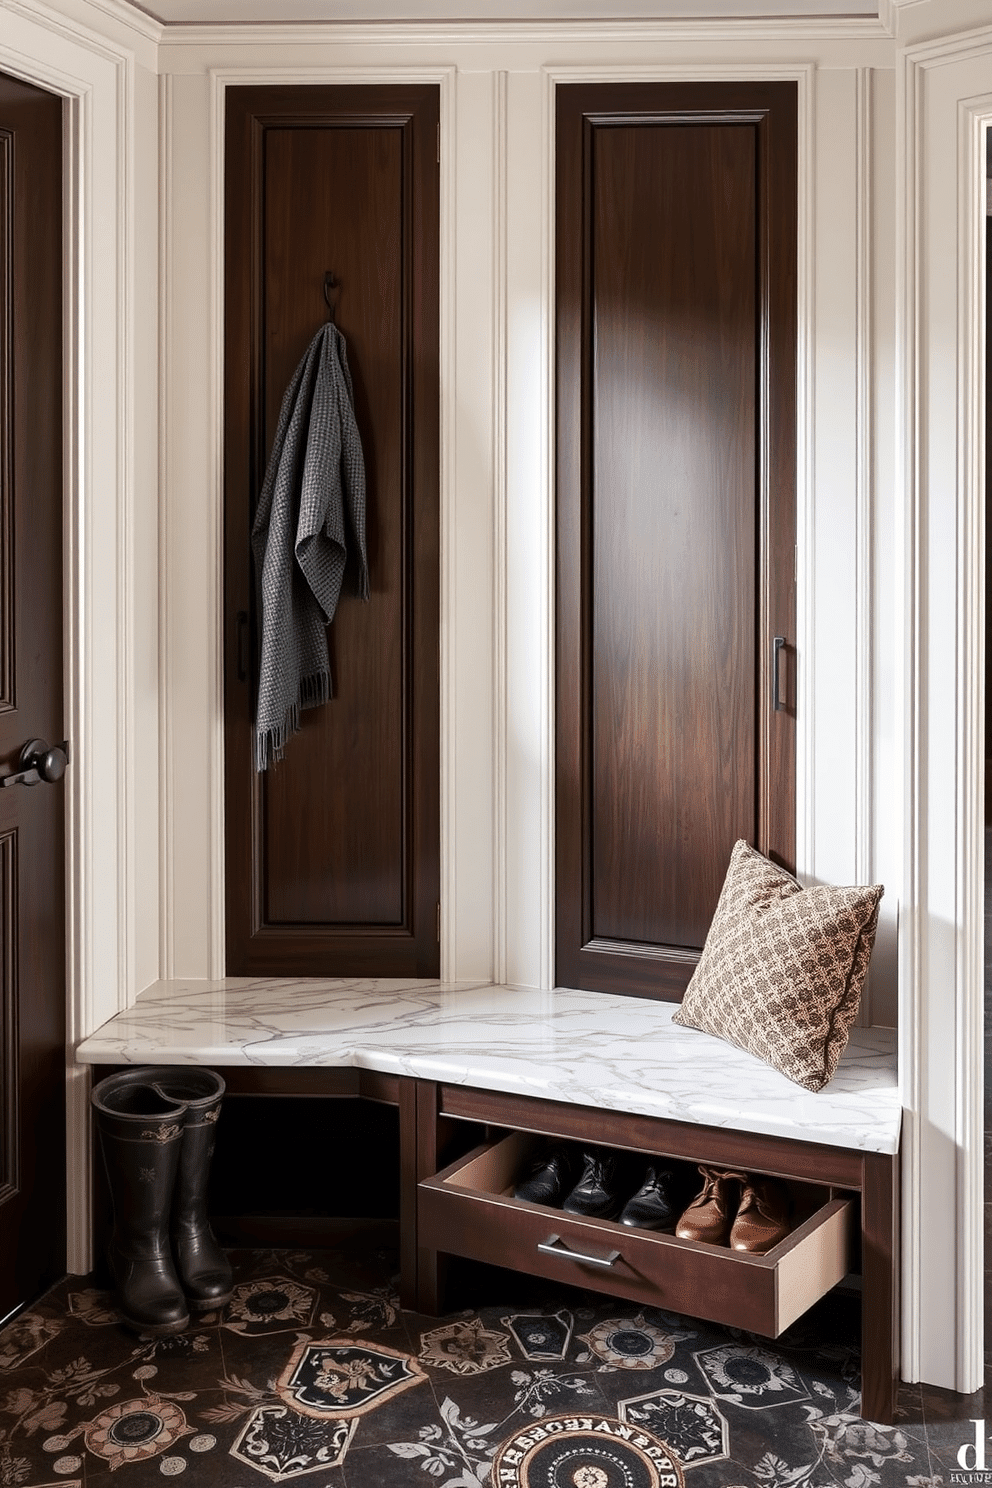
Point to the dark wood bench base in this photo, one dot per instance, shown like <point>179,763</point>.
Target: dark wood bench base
<point>438,1121</point>
<point>429,1113</point>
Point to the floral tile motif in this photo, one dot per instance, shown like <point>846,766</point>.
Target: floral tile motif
<point>133,1430</point>
<point>847,1442</point>
<point>534,1393</point>
<point>692,1425</point>
<point>371,1311</point>
<point>750,1376</point>
<point>338,1377</point>
<point>629,1343</point>
<point>93,1307</point>
<point>283,1444</point>
<point>585,1452</point>
<point>184,1346</point>
<point>24,1337</point>
<point>465,1347</point>
<point>542,1337</point>
<point>271,1304</point>
<point>460,1446</point>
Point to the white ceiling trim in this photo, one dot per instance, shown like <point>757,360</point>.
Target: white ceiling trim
<point>247,13</point>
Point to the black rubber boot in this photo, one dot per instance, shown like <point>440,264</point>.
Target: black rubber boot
<point>141,1135</point>
<point>204,1269</point>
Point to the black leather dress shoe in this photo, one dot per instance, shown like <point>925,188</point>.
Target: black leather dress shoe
<point>657,1204</point>
<point>599,1192</point>
<point>549,1177</point>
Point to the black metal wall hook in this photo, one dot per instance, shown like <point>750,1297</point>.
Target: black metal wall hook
<point>331,283</point>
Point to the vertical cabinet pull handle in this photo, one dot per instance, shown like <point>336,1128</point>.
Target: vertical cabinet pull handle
<point>778,646</point>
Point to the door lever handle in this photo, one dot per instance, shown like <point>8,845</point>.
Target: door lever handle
<point>39,762</point>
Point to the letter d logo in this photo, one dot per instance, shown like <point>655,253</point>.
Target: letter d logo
<point>978,1447</point>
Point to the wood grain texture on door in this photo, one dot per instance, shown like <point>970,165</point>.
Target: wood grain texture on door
<point>32,847</point>
<point>676,279</point>
<point>333,855</point>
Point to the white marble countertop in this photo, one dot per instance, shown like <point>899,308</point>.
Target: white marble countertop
<point>586,1048</point>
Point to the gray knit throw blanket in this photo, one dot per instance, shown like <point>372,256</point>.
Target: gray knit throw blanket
<point>312,506</point>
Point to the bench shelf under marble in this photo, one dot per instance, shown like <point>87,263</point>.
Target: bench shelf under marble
<point>587,1066</point>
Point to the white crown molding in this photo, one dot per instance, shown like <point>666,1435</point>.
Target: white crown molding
<point>131,16</point>
<point>961,46</point>
<point>140,32</point>
<point>487,33</point>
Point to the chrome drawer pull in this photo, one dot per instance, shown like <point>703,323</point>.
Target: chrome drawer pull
<point>554,1245</point>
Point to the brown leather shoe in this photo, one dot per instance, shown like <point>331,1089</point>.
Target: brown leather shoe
<point>762,1216</point>
<point>709,1215</point>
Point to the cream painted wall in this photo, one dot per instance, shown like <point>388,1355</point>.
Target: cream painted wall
<point>146,803</point>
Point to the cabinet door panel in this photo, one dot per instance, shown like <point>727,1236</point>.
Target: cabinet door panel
<point>333,855</point>
<point>676,376</point>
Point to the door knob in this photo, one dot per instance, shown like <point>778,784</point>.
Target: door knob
<point>39,762</point>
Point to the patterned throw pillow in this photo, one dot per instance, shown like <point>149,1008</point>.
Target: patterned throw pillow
<point>782,968</point>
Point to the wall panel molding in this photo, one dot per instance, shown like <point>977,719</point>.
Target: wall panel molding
<point>167,781</point>
<point>944,103</point>
<point>500,680</point>
<point>864,487</point>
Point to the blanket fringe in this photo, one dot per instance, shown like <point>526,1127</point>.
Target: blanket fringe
<point>270,743</point>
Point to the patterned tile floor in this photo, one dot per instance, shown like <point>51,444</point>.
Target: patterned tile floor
<point>313,1373</point>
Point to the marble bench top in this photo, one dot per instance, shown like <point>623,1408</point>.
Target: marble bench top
<point>586,1048</point>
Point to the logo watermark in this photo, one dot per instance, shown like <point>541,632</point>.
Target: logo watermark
<point>972,1459</point>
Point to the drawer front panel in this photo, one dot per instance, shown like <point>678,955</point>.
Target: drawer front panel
<point>676,1277</point>
<point>468,1211</point>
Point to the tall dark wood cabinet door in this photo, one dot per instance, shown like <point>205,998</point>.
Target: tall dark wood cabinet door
<point>333,855</point>
<point>676,390</point>
<point>32,850</point>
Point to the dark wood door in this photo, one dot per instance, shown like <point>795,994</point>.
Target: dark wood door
<point>676,273</point>
<point>32,913</point>
<point>333,856</point>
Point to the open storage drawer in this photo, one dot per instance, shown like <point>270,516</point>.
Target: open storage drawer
<point>468,1209</point>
